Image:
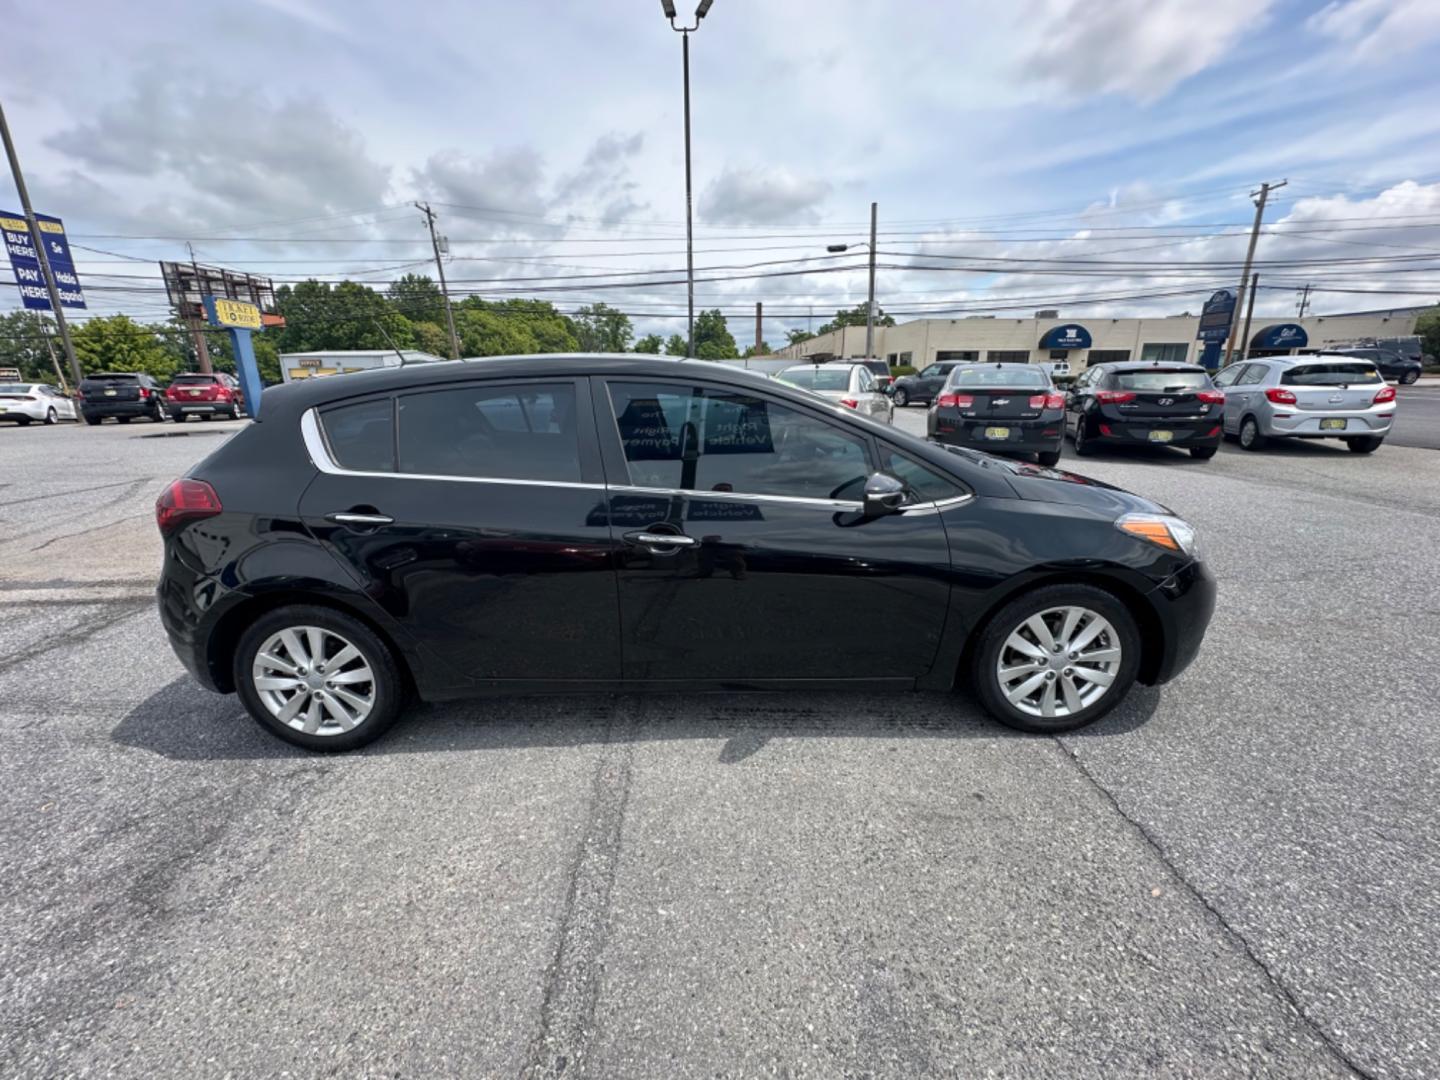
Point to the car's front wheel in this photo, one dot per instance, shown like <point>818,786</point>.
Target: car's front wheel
<point>1056,658</point>
<point>318,678</point>
<point>901,397</point>
<point>1409,377</point>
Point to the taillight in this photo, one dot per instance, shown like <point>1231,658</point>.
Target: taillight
<point>1047,401</point>
<point>144,392</point>
<point>956,401</point>
<point>849,403</point>
<point>1212,397</point>
<point>1114,397</point>
<point>1388,394</point>
<point>185,500</point>
<point>1280,396</point>
<point>222,393</point>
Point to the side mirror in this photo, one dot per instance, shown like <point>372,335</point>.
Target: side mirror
<point>883,495</point>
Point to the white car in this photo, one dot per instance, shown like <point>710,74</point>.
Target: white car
<point>23,402</point>
<point>851,385</point>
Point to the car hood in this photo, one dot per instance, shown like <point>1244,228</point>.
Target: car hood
<point>1039,484</point>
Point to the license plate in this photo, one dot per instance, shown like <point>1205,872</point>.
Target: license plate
<point>194,393</point>
<point>997,433</point>
<point>109,393</point>
<point>1161,436</point>
<point>1337,424</point>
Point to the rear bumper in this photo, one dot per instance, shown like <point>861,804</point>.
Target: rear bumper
<point>1307,425</point>
<point>178,408</point>
<point>103,409</point>
<point>18,410</point>
<point>1183,603</point>
<point>1021,436</point>
<point>1156,432</point>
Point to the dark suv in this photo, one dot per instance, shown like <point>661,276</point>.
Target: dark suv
<point>121,394</point>
<point>1394,361</point>
<point>924,386</point>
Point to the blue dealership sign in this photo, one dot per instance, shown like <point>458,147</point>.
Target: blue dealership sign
<point>1281,336</point>
<point>26,263</point>
<point>1216,317</point>
<point>1068,336</point>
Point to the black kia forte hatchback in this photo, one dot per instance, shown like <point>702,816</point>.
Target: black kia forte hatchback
<point>1000,408</point>
<point>1156,404</point>
<point>566,523</point>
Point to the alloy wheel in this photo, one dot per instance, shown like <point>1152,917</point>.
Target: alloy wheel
<point>1059,662</point>
<point>314,680</point>
<point>50,416</point>
<point>901,398</point>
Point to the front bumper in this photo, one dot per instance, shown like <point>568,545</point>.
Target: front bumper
<point>1183,603</point>
<point>1020,436</point>
<point>1306,425</point>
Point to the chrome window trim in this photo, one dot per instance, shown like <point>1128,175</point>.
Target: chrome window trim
<point>312,434</point>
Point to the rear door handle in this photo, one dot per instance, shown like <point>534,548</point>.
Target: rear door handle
<point>348,518</point>
<point>661,539</point>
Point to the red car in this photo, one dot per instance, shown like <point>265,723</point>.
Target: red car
<point>205,396</point>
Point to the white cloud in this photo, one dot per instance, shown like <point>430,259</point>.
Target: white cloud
<point>1372,29</point>
<point>741,196</point>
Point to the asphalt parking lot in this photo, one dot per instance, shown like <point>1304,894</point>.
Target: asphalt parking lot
<point>1232,875</point>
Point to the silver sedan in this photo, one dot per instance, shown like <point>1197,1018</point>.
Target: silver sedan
<point>852,385</point>
<point>1307,397</point>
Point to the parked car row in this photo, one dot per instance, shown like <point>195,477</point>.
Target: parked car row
<point>125,396</point>
<point>1017,409</point>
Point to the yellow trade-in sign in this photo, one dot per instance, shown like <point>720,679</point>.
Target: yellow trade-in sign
<point>232,313</point>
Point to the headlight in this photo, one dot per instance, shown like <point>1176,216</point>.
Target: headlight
<point>1168,532</point>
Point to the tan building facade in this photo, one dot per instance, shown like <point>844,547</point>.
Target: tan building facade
<point>1171,338</point>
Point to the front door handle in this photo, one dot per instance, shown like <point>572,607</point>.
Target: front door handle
<point>650,539</point>
<point>363,520</point>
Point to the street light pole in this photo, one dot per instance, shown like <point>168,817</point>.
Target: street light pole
<point>668,6</point>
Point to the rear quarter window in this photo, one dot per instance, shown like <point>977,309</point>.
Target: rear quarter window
<point>361,437</point>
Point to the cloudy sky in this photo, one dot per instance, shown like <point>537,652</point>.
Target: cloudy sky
<point>1097,157</point>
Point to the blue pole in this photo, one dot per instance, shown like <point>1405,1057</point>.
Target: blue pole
<point>248,370</point>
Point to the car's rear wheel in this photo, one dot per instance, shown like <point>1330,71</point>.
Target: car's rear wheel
<point>901,397</point>
<point>1056,658</point>
<point>1082,444</point>
<point>318,678</point>
<point>1204,453</point>
<point>1048,458</point>
<point>1364,444</point>
<point>1250,437</point>
<point>91,420</point>
<point>157,414</point>
<point>51,417</point>
<point>122,419</point>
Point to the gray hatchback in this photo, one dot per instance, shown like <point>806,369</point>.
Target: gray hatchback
<point>1307,397</point>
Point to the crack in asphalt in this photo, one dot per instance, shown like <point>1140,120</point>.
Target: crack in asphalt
<point>64,494</point>
<point>1277,984</point>
<point>114,611</point>
<point>572,981</point>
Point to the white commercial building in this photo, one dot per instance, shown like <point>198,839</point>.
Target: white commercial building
<point>305,365</point>
<point>1086,340</point>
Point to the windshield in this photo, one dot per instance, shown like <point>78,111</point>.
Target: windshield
<point>816,378</point>
<point>1333,374</point>
<point>1027,378</point>
<point>14,388</point>
<point>1162,379</point>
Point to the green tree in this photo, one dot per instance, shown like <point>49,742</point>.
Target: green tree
<point>602,328</point>
<point>763,349</point>
<point>116,343</point>
<point>22,345</point>
<point>513,327</point>
<point>855,317</point>
<point>675,345</point>
<point>489,333</point>
<point>1428,327</point>
<point>650,343</point>
<point>795,337</point>
<point>432,338</point>
<point>347,316</point>
<point>419,299</point>
<point>712,337</point>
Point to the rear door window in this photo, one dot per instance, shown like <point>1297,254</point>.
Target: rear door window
<point>519,431</point>
<point>1331,374</point>
<point>692,438</point>
<point>361,437</point>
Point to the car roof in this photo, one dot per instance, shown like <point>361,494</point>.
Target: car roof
<point>1309,358</point>
<point>1149,365</point>
<point>1003,365</point>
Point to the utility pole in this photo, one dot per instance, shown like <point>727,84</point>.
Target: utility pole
<point>759,309</point>
<point>35,238</point>
<point>1304,300</point>
<point>1249,310</point>
<point>1260,198</point>
<point>870,310</point>
<point>54,360</point>
<point>202,347</point>
<point>424,208</point>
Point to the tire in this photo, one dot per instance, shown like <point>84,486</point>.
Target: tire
<point>51,418</point>
<point>1048,458</point>
<point>1409,377</point>
<point>205,416</point>
<point>1093,699</point>
<point>23,421</point>
<point>1364,444</point>
<point>1082,444</point>
<point>901,397</point>
<point>1250,437</point>
<point>122,419</point>
<point>1203,453</point>
<point>335,630</point>
<point>158,415</point>
<point>91,420</point>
